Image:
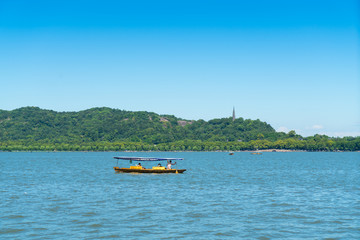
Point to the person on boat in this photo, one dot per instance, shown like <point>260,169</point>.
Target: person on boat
<point>159,165</point>
<point>139,165</point>
<point>169,164</point>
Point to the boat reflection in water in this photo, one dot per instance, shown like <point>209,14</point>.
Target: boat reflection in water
<point>156,169</point>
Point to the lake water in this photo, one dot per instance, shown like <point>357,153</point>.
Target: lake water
<point>270,196</point>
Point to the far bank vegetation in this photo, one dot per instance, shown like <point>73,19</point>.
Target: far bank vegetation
<point>106,129</point>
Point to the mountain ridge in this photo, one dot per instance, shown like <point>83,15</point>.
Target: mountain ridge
<point>103,123</point>
<point>108,129</point>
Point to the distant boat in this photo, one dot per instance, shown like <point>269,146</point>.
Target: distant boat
<point>257,152</point>
<point>140,169</point>
<point>231,153</point>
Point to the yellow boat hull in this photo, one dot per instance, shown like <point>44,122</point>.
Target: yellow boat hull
<point>136,170</point>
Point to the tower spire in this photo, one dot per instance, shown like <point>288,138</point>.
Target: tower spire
<point>233,113</point>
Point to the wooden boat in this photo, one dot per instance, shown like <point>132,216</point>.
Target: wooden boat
<point>140,169</point>
<point>151,170</point>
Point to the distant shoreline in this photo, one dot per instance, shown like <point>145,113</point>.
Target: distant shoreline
<point>239,151</point>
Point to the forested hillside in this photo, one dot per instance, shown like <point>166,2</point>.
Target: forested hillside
<point>106,124</point>
<point>32,128</point>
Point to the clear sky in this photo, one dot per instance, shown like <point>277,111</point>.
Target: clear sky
<point>293,64</point>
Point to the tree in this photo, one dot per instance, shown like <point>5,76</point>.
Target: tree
<point>292,134</point>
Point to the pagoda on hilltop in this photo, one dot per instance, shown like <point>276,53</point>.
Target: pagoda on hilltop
<point>233,113</point>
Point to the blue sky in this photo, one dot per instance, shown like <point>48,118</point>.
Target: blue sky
<point>293,64</point>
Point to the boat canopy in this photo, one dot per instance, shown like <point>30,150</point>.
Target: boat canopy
<point>147,159</point>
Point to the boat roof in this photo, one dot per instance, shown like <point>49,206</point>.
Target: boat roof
<point>147,158</point>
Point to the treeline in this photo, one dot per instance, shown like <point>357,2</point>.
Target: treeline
<point>312,144</point>
<point>106,129</point>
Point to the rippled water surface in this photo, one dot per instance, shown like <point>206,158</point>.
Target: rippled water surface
<point>244,196</point>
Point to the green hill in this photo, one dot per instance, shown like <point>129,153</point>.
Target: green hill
<point>106,124</point>
<point>106,129</point>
